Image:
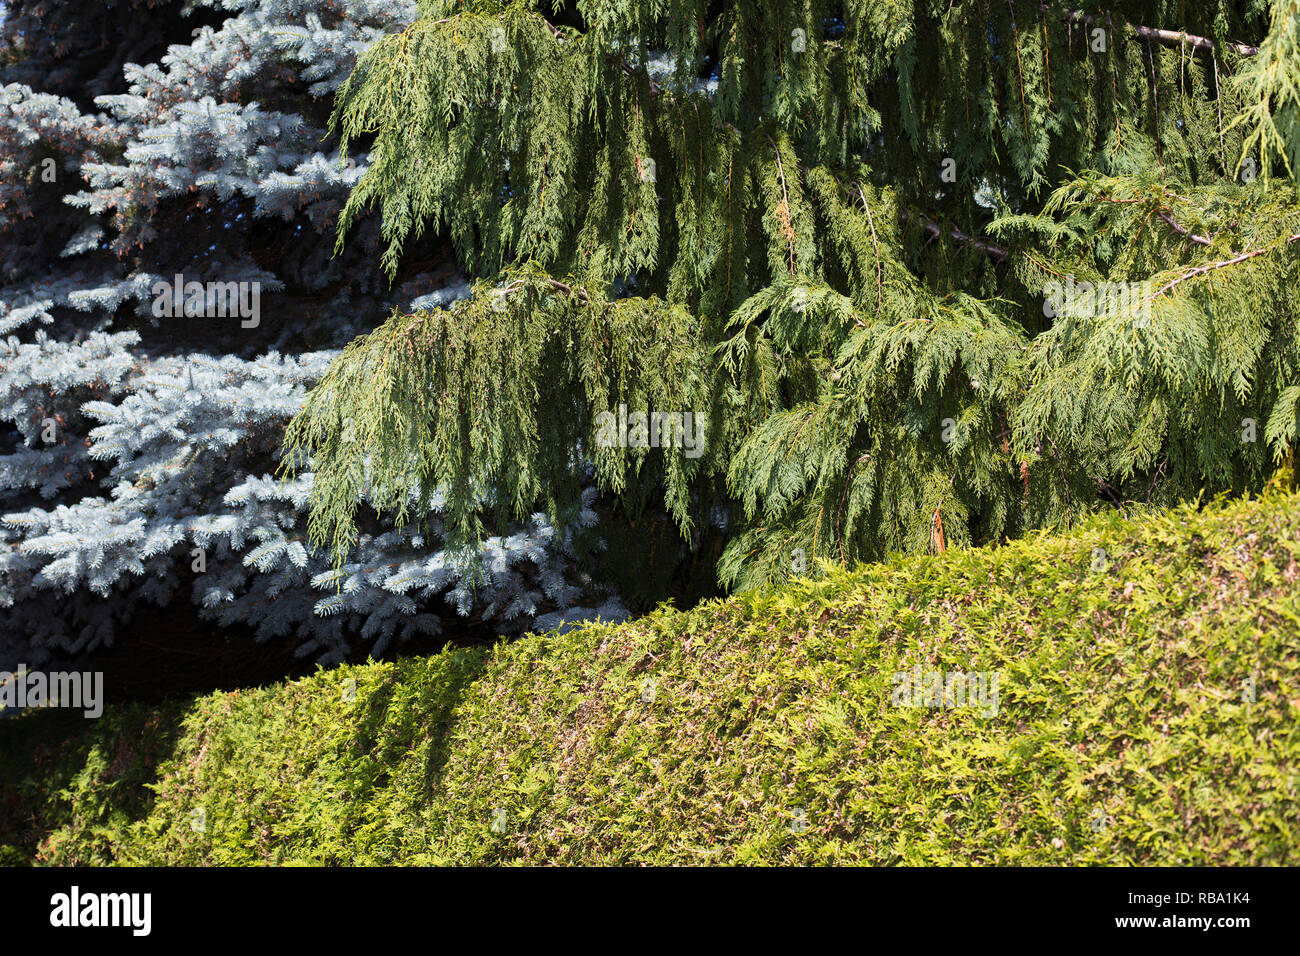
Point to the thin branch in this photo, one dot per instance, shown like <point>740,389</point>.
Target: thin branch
<point>1156,477</point>
<point>1172,37</point>
<point>1183,230</point>
<point>785,204</point>
<point>569,290</point>
<point>1105,487</point>
<point>1155,94</point>
<point>518,284</point>
<point>1060,463</point>
<point>1167,37</point>
<point>1164,215</point>
<point>1212,266</point>
<point>880,277</point>
<point>934,230</point>
<point>1218,101</point>
<point>654,87</point>
<point>1015,34</point>
<point>839,515</point>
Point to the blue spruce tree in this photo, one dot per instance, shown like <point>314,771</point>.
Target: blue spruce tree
<point>168,294</point>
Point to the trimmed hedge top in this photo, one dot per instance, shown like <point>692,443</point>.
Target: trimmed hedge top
<point>1127,694</point>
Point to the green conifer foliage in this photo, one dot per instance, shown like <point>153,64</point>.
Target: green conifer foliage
<point>932,272</point>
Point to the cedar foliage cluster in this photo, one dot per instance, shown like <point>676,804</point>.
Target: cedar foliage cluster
<point>829,229</point>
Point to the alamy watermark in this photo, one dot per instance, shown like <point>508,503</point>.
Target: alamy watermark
<point>208,300</point>
<point>922,688</point>
<point>1096,300</point>
<point>684,430</point>
<point>128,910</point>
<point>23,688</point>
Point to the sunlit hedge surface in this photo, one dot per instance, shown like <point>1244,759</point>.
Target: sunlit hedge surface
<point>1147,712</point>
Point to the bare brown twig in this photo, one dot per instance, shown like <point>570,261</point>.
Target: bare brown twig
<point>1168,37</point>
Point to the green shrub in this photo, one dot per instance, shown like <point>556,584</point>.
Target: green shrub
<point>760,729</point>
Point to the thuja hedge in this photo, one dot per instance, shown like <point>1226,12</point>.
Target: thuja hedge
<point>759,729</point>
